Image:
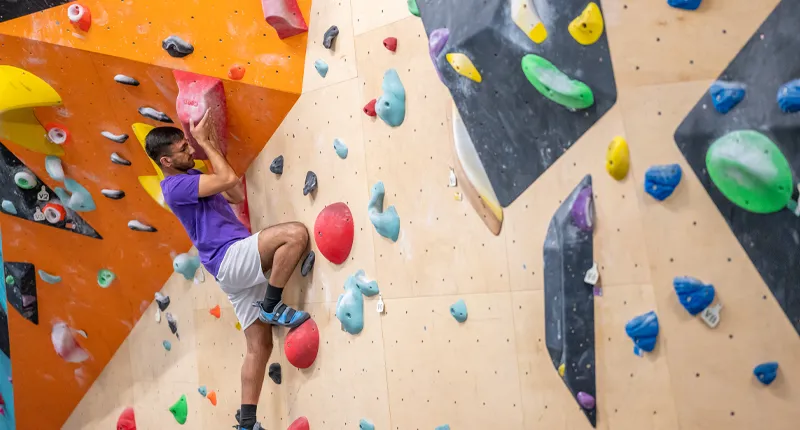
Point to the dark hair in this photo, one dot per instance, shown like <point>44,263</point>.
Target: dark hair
<point>158,141</point>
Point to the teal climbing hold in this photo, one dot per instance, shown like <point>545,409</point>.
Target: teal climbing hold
<point>459,311</point>
<point>50,279</point>
<point>186,265</point>
<point>368,287</point>
<point>167,345</point>
<point>76,197</point>
<point>340,148</point>
<point>202,390</point>
<point>105,277</point>
<point>52,165</point>
<point>443,427</point>
<point>365,424</point>
<point>322,67</point>
<point>391,105</point>
<point>350,307</point>
<point>555,85</point>
<point>387,222</point>
<point>9,207</point>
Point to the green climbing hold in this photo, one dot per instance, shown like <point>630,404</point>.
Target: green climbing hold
<point>180,410</point>
<point>413,8</point>
<point>555,85</point>
<point>105,277</point>
<point>751,171</point>
<point>10,280</point>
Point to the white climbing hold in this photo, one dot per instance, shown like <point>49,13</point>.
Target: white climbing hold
<point>119,138</point>
<point>52,165</point>
<point>158,315</point>
<point>592,275</point>
<point>136,225</point>
<point>453,181</point>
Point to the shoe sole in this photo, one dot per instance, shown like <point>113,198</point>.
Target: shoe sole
<point>293,325</point>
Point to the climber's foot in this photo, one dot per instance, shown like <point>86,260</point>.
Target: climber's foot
<point>282,315</point>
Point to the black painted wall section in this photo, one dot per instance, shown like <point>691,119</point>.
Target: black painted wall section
<point>10,9</point>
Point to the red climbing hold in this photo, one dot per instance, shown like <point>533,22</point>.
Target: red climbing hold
<point>300,424</point>
<point>196,94</point>
<point>54,212</point>
<point>80,16</point>
<point>57,133</point>
<point>369,108</point>
<point>302,344</point>
<point>242,210</point>
<point>126,420</point>
<point>215,311</point>
<point>390,43</point>
<point>285,17</point>
<point>212,396</point>
<point>333,232</point>
<point>236,72</point>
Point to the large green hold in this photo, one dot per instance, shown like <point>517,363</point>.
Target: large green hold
<point>555,85</point>
<point>413,8</point>
<point>751,171</point>
<point>180,410</point>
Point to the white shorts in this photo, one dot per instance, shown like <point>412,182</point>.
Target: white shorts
<point>241,278</point>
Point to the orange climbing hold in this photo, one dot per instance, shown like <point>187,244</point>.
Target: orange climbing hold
<point>236,72</point>
<point>369,108</point>
<point>215,311</point>
<point>212,397</point>
<point>285,17</point>
<point>390,43</point>
<point>80,16</point>
<point>302,344</point>
<point>300,424</point>
<point>126,420</point>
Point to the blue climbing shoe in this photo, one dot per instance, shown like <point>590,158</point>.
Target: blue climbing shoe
<point>282,315</point>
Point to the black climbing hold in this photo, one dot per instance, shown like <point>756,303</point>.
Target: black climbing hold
<point>308,264</point>
<point>275,373</point>
<point>118,159</point>
<point>276,166</point>
<point>311,183</point>
<point>163,301</point>
<point>173,325</point>
<point>330,37</point>
<point>20,279</point>
<point>153,114</point>
<point>177,47</point>
<point>113,194</point>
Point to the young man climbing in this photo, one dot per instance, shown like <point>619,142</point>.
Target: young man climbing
<point>240,262</point>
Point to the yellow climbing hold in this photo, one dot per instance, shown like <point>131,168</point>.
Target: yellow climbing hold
<point>463,66</point>
<point>523,13</point>
<point>588,26</point>
<point>20,92</point>
<point>561,369</point>
<point>238,326</point>
<point>618,158</point>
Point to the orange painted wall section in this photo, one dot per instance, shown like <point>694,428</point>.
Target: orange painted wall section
<point>94,102</point>
<point>222,32</point>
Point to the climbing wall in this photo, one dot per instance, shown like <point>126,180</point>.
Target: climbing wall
<point>414,366</point>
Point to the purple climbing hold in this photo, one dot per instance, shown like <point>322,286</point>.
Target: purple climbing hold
<point>582,210</point>
<point>586,400</point>
<point>436,41</point>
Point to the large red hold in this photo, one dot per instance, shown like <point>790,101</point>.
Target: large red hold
<point>242,210</point>
<point>196,94</point>
<point>299,424</point>
<point>285,17</point>
<point>333,232</point>
<point>302,344</point>
<point>126,421</point>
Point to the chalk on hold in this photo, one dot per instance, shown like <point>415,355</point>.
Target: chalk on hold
<point>459,311</point>
<point>105,277</point>
<point>276,166</point>
<point>643,330</point>
<point>330,37</point>
<point>436,42</point>
<point>587,27</point>
<point>186,265</point>
<point>661,181</point>
<point>302,344</point>
<point>57,133</point>
<point>126,420</point>
<point>391,105</point>
<point>308,264</point>
<point>310,183</point>
<point>50,279</point>
<point>464,66</point>
<point>693,294</point>
<point>9,207</point>
<point>203,390</point>
<point>789,96</point>
<point>55,170</point>
<point>285,17</point>
<point>25,179</point>
<point>766,372</point>
<point>274,373</point>
<point>112,194</point>
<point>212,397</point>
<point>685,4</point>
<point>177,47</point>
<point>198,94</point>
<point>180,410</point>
<point>155,115</point>
<point>80,200</point>
<point>173,325</point>
<point>350,307</point>
<point>555,85</point>
<point>136,225</point>
<point>390,43</point>
<point>340,148</point>
<point>126,80</point>
<point>119,138</point>
<point>386,222</point>
<point>66,344</point>
<point>369,108</point>
<point>167,345</point>
<point>118,159</point>
<point>412,7</point>
<point>618,158</point>
<point>726,95</point>
<point>236,72</point>
<point>80,16</point>
<point>334,231</point>
<point>54,212</point>
<point>300,424</point>
<point>162,301</point>
<point>216,311</point>
<point>367,286</point>
<point>586,400</point>
<point>322,67</point>
<point>582,210</point>
<point>365,424</point>
<point>525,16</point>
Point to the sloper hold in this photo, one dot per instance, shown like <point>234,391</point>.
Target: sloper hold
<point>310,183</point>
<point>334,232</point>
<point>789,96</point>
<point>436,42</point>
<point>555,85</point>
<point>643,330</point>
<point>693,294</point>
<point>322,67</point>
<point>302,344</point>
<point>366,424</point>
<point>464,66</point>
<point>276,166</point>
<point>20,92</point>
<point>299,424</point>
<point>766,372</point>
<point>726,95</point>
<point>308,264</point>
<point>55,170</point>
<point>275,373</point>
<point>186,265</point>
<point>180,410</point>
<point>66,343</point>
<point>587,27</point>
<point>569,304</point>
<point>582,210</point>
<point>367,286</point>
<point>340,148</point>
<point>196,94</point>
<point>660,181</point>
<point>155,115</point>
<point>350,307</point>
<point>390,43</point>
<point>459,311</point>
<point>386,222</point>
<point>126,80</point>
<point>177,47</point>
<point>525,16</point>
<point>412,7</point>
<point>285,17</point>
<point>685,4</point>
<point>20,280</point>
<point>618,158</point>
<point>330,37</point>
<point>391,105</point>
<point>119,138</point>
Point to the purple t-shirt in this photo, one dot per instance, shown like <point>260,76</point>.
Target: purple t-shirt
<point>210,221</point>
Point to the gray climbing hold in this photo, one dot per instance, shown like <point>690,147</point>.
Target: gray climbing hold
<point>391,105</point>
<point>322,67</point>
<point>387,222</point>
<point>310,184</point>
<point>340,148</point>
<point>153,114</point>
<point>162,301</point>
<point>118,159</point>
<point>112,194</point>
<point>350,307</point>
<point>177,47</point>
<point>368,287</point>
<point>330,37</point>
<point>119,138</point>
<point>459,311</point>
<point>365,424</point>
<point>136,225</point>
<point>275,373</point>
<point>55,170</point>
<point>173,325</point>
<point>126,80</point>
<point>9,207</point>
<point>186,265</point>
<point>308,264</point>
<point>276,166</point>
<point>50,279</point>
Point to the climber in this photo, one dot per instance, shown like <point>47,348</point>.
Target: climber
<point>251,269</point>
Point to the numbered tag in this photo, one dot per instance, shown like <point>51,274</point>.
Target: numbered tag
<point>457,196</point>
<point>379,307</point>
<point>43,195</point>
<point>38,215</point>
<point>710,315</point>
<point>453,181</point>
<point>592,275</point>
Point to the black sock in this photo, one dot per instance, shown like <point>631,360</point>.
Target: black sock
<point>272,298</point>
<point>248,417</point>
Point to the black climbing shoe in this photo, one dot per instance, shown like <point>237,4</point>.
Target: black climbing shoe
<point>256,426</point>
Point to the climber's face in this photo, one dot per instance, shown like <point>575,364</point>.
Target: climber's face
<point>181,156</point>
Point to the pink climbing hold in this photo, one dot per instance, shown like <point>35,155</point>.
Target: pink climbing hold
<point>66,344</point>
<point>390,43</point>
<point>80,16</point>
<point>285,17</point>
<point>302,344</point>
<point>369,108</point>
<point>126,421</point>
<point>196,93</point>
<point>242,210</point>
<point>300,424</point>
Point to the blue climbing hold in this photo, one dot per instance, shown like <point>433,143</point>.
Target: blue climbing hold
<point>322,67</point>
<point>365,424</point>
<point>444,427</point>
<point>685,4</point>
<point>387,222</point>
<point>167,345</point>
<point>50,279</point>
<point>660,181</point>
<point>459,311</point>
<point>350,307</point>
<point>726,95</point>
<point>643,330</point>
<point>693,294</point>
<point>186,265</point>
<point>391,105</point>
<point>203,390</point>
<point>367,287</point>
<point>340,148</point>
<point>766,372</point>
<point>9,207</point>
<point>789,96</point>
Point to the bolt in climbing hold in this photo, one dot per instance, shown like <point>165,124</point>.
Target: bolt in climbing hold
<point>463,66</point>
<point>684,4</point>
<point>180,410</point>
<point>162,301</point>
<point>618,158</point>
<point>367,286</point>
<point>350,307</point>
<point>586,400</point>
<point>54,212</point>
<point>80,16</point>
<point>459,310</point>
<point>57,133</point>
<point>365,424</point>
<point>330,37</point>
<point>390,43</point>
<point>310,183</point>
<point>766,372</point>
<point>202,390</point>
<point>726,95</point>
<point>643,330</point>
<point>126,80</point>
<point>216,311</point>
<point>525,16</point>
<point>118,159</point>
<point>275,373</point>
<point>789,96</point>
<point>155,115</point>
<point>50,279</point>
<point>276,166</point>
<point>369,108</point>
<point>299,424</point>
<point>555,85</point>
<point>167,345</point>
<point>661,181</point>
<point>391,105</point>
<point>9,207</point>
<point>25,179</point>
<point>55,170</point>
<point>334,231</point>
<point>340,148</point>
<point>587,28</point>
<point>177,47</point>
<point>412,7</point>
<point>386,222</point>
<point>308,264</point>
<point>119,138</point>
<point>693,294</point>
<point>136,225</point>
<point>236,72</point>
<point>436,42</point>
<point>322,67</point>
<point>582,210</point>
<point>112,194</point>
<point>186,265</point>
<point>105,277</point>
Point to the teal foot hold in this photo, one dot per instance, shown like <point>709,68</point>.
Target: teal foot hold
<point>202,390</point>
<point>444,427</point>
<point>105,277</point>
<point>322,67</point>
<point>368,287</point>
<point>340,148</point>
<point>50,279</point>
<point>365,424</point>
<point>459,311</point>
<point>76,197</point>
<point>391,105</point>
<point>167,345</point>
<point>555,85</point>
<point>350,307</point>
<point>387,222</point>
<point>8,207</point>
<point>186,265</point>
